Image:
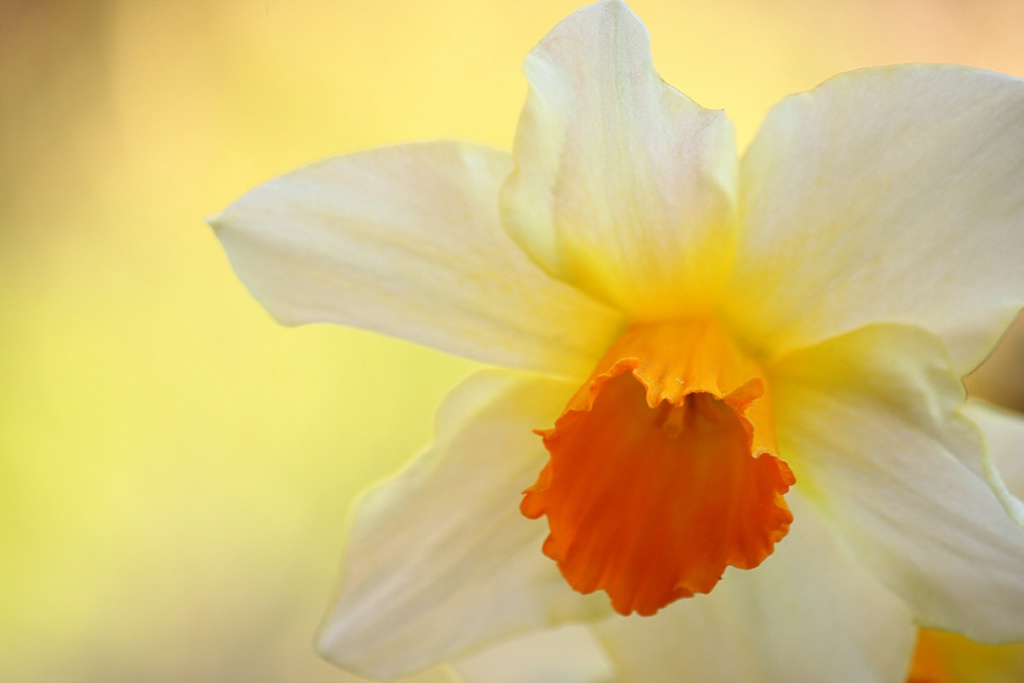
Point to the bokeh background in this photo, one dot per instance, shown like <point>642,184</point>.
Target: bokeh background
<point>175,468</point>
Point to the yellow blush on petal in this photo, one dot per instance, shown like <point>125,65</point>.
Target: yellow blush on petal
<point>663,469</point>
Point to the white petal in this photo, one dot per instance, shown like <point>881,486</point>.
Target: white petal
<point>570,654</point>
<point>406,240</point>
<point>885,195</point>
<point>439,560</point>
<point>807,612</point>
<point>1003,460</point>
<point>870,423</point>
<point>623,186</point>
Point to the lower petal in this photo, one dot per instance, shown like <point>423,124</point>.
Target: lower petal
<point>438,560</point>
<point>568,654</point>
<point>871,424</point>
<point>809,613</point>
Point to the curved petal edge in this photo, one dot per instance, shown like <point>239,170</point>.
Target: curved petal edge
<point>1004,449</point>
<point>439,562</point>
<point>623,186</point>
<point>885,195</point>
<point>406,240</point>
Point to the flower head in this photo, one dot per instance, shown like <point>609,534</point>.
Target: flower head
<point>721,365</point>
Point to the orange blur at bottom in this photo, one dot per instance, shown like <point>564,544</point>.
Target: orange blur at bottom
<point>928,665</point>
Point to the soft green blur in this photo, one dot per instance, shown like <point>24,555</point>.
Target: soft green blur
<point>175,468</point>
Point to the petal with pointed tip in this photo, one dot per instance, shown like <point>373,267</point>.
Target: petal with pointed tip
<point>623,186</point>
<point>406,240</point>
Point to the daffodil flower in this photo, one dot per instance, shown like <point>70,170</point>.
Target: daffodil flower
<point>731,389</point>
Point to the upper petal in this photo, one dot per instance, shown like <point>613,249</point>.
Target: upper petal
<point>808,612</point>
<point>885,195</point>
<point>406,240</point>
<point>870,424</point>
<point>623,186</point>
<point>438,560</point>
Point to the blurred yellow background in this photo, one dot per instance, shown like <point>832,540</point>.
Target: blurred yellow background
<point>175,468</point>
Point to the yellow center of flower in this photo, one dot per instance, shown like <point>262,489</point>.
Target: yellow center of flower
<point>663,469</point>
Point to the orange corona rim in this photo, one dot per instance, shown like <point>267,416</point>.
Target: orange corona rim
<point>663,469</point>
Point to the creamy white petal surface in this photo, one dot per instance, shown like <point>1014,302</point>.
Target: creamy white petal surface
<point>808,612</point>
<point>892,194</point>
<point>1004,456</point>
<point>870,423</point>
<point>439,560</point>
<point>623,185</point>
<point>406,240</point>
<point>569,654</point>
